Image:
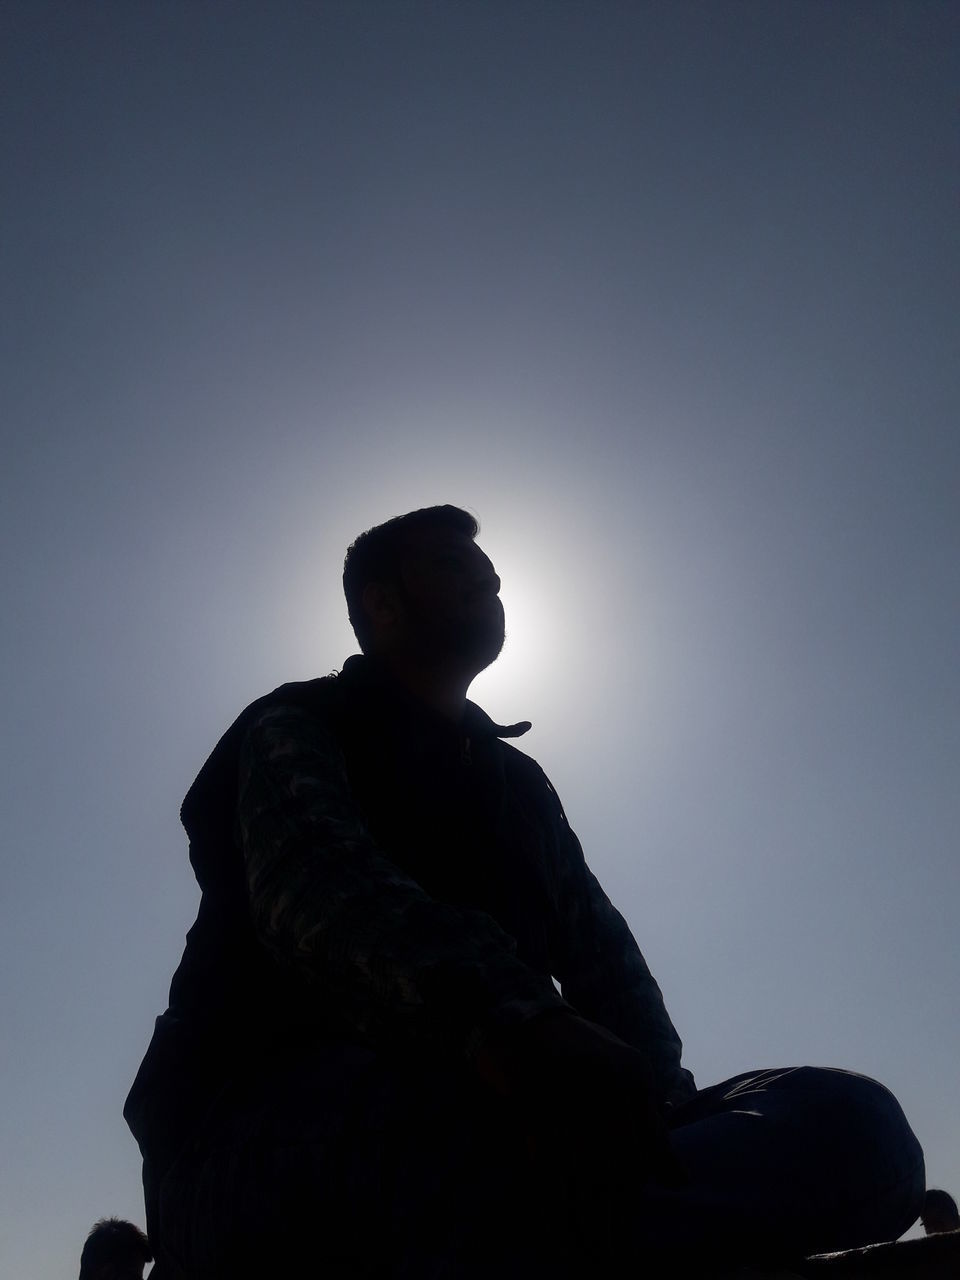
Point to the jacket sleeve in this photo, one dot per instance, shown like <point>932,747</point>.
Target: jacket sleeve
<point>603,974</point>
<point>399,966</point>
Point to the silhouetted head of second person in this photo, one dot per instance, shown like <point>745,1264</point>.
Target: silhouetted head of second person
<point>419,589</point>
<point>115,1250</point>
<point>939,1212</point>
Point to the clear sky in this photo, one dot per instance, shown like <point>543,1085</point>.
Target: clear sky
<point>667,294</point>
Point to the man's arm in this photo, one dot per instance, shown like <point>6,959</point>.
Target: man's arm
<point>397,965</point>
<point>603,974</point>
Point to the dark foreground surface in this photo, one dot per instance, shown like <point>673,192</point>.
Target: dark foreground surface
<point>933,1258</point>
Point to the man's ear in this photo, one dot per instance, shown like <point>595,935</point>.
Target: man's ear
<point>381,604</point>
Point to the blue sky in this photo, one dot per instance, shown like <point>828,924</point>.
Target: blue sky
<point>666,293</point>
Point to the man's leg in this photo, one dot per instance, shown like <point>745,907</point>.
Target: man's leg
<point>347,1165</point>
<point>370,1168</point>
<point>785,1163</point>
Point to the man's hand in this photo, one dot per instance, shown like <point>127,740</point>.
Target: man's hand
<point>586,1104</point>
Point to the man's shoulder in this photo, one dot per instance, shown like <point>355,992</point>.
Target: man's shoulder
<point>319,694</point>
<point>318,697</point>
<point>528,776</point>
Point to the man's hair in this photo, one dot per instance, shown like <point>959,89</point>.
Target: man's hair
<point>376,556</point>
<point>114,1249</point>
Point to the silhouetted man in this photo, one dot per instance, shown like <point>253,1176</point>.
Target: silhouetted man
<point>114,1250</point>
<point>366,1062</point>
<point>939,1212</point>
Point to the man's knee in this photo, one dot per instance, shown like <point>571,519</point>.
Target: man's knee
<point>868,1137</point>
<point>862,1106</point>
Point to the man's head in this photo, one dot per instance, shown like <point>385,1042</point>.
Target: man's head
<point>939,1212</point>
<point>115,1250</point>
<point>420,587</point>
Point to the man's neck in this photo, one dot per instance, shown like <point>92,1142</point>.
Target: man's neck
<point>440,686</point>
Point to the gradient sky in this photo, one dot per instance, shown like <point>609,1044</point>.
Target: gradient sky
<point>667,294</point>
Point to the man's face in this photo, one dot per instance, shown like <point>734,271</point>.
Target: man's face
<point>449,597</point>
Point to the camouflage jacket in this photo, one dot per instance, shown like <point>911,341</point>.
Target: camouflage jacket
<point>372,871</point>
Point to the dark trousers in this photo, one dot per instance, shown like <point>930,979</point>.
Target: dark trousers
<point>345,1164</point>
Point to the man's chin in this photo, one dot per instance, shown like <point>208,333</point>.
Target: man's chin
<point>477,649</point>
<point>473,646</point>
<point>487,657</point>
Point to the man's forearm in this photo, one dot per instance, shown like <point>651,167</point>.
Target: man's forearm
<point>607,980</point>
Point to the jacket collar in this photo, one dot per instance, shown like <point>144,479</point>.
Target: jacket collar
<point>360,671</point>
